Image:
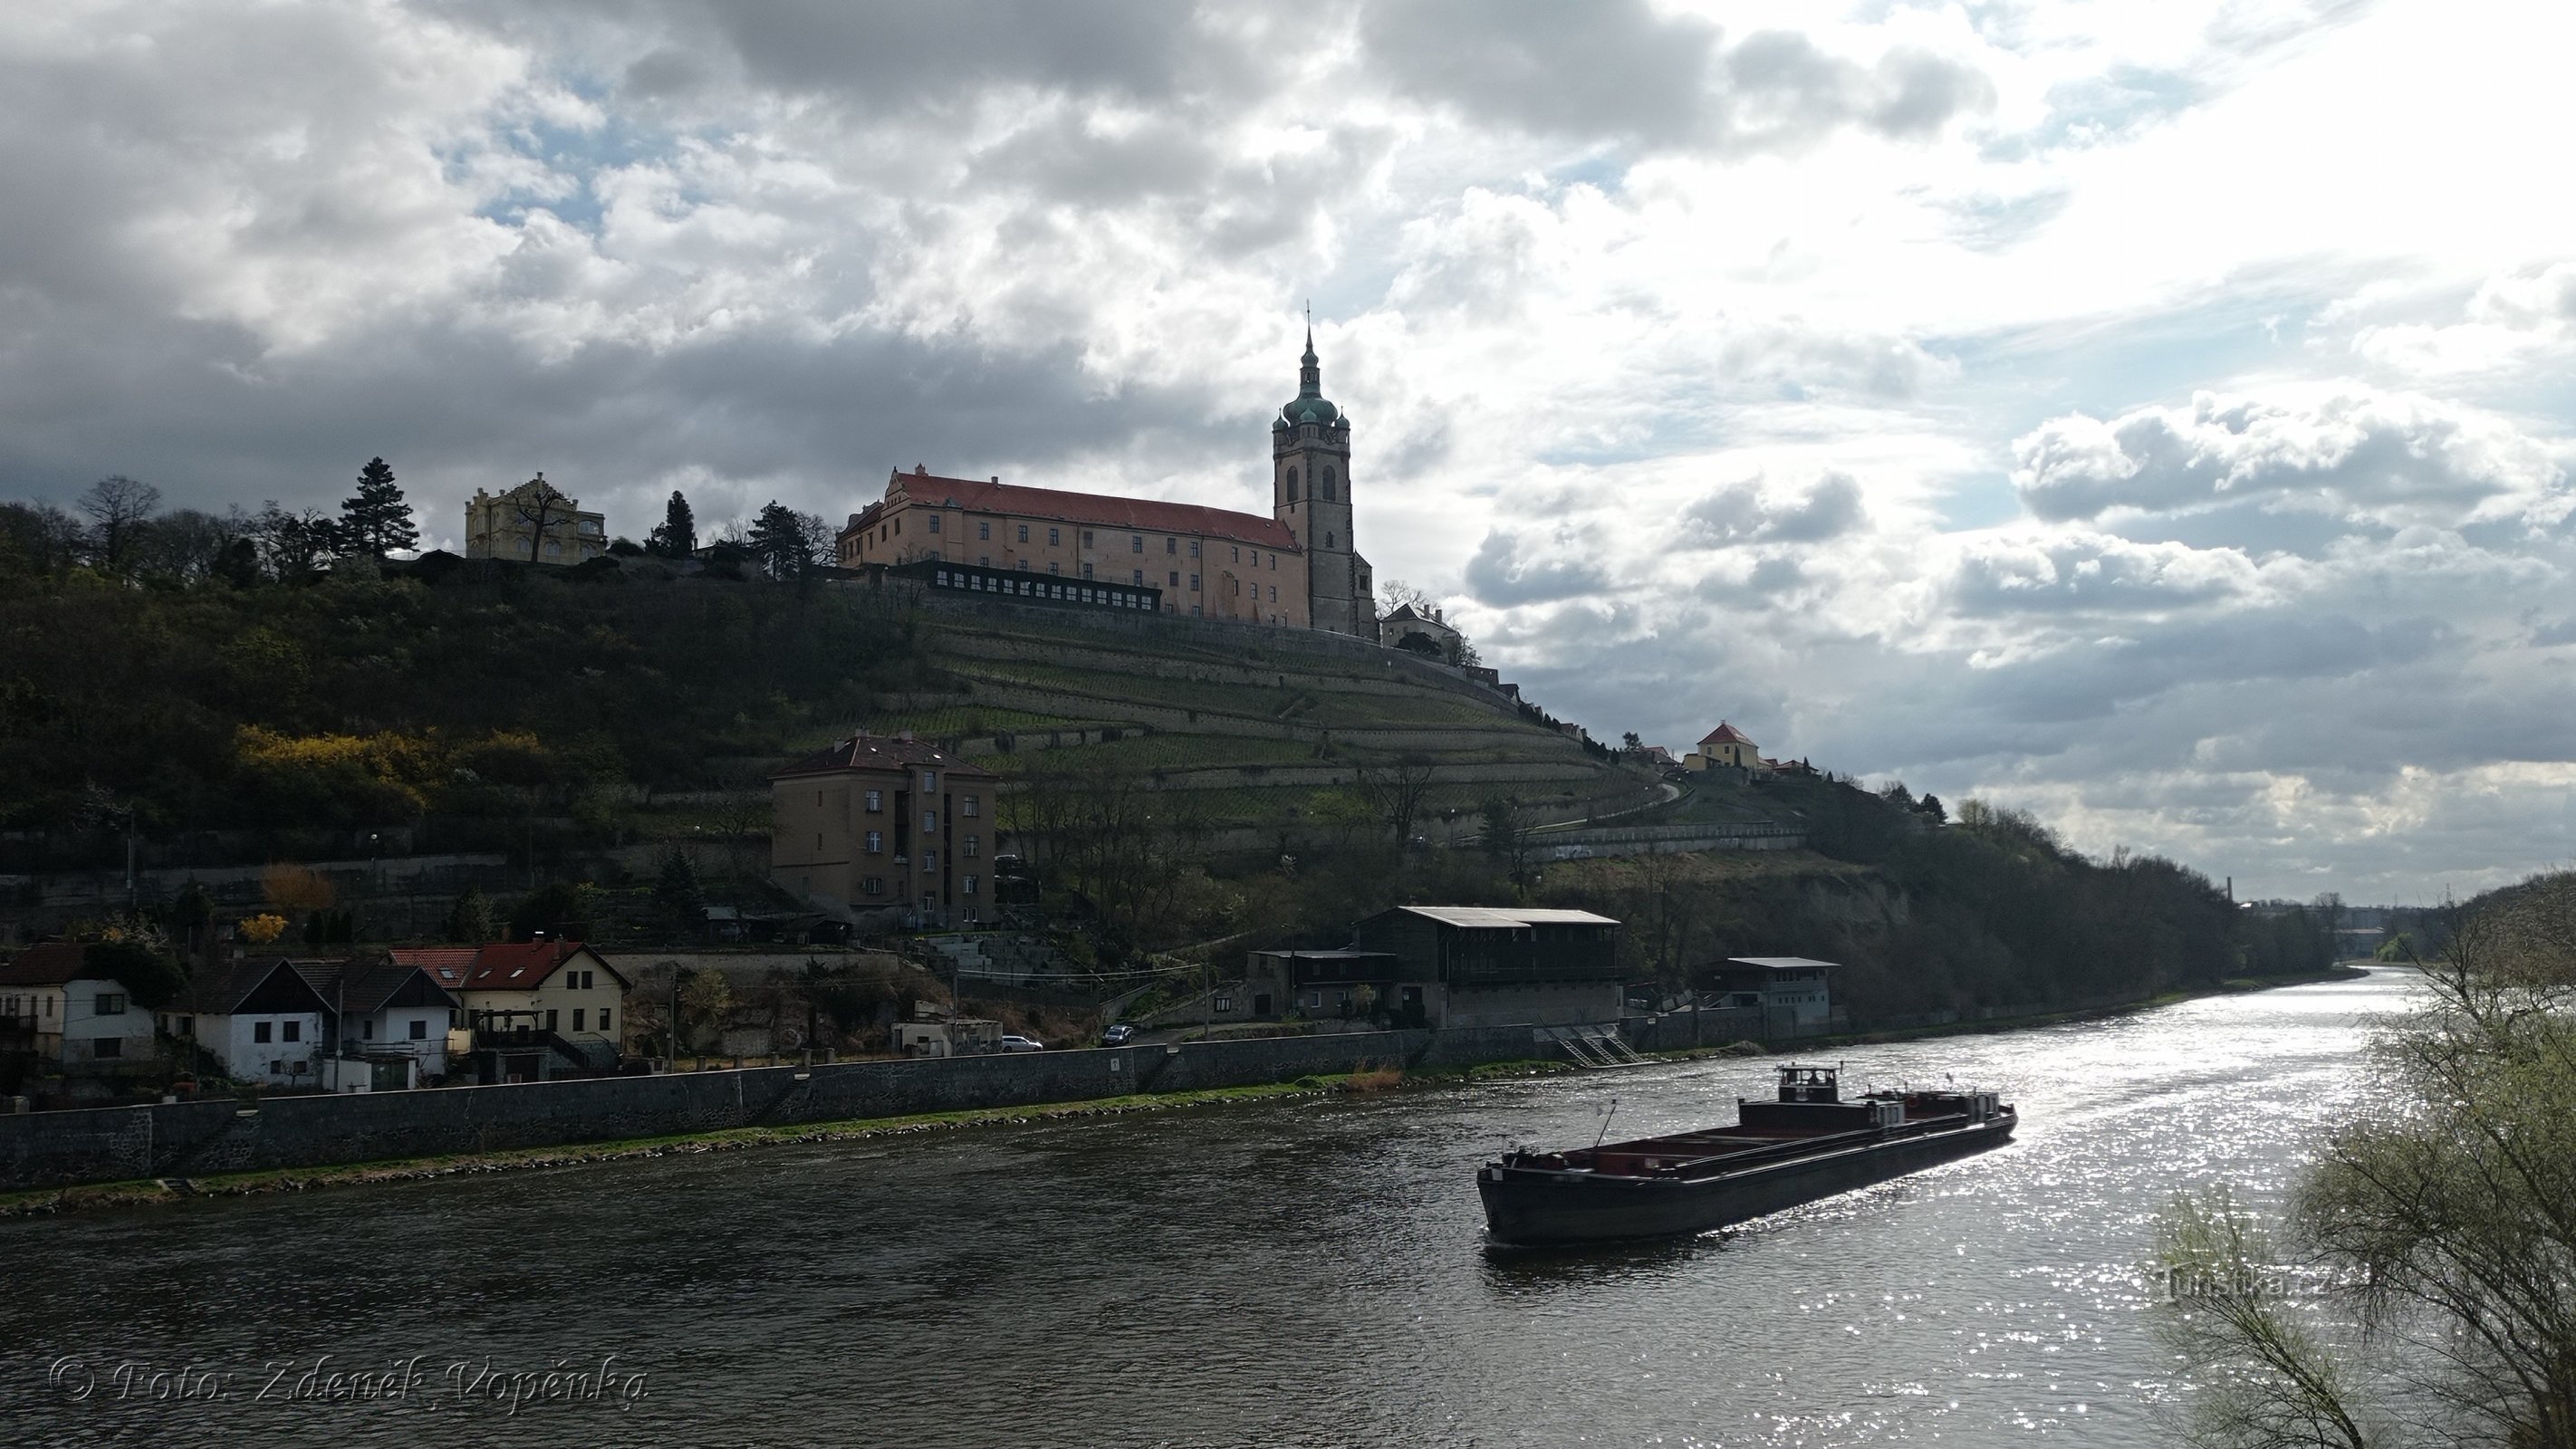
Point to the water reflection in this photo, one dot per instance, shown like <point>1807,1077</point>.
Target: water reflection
<point>1296,1272</point>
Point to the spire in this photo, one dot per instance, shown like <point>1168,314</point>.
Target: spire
<point>1310,373</point>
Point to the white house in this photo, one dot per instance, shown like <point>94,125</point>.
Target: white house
<point>1794,993</point>
<point>394,1021</point>
<point>262,1021</point>
<point>85,1023</point>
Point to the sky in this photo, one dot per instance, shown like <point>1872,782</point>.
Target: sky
<point>2157,417</point>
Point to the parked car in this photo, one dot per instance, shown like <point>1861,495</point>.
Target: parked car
<point>1118,1035</point>
<point>1022,1044</point>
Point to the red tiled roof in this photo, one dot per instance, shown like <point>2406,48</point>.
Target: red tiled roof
<point>447,965</point>
<point>501,966</point>
<point>1725,734</point>
<point>1141,515</point>
<point>878,752</point>
<point>51,964</point>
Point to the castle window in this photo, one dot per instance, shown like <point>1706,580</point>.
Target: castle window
<point>1140,577</point>
<point>1024,533</point>
<point>1237,551</point>
<point>1086,571</point>
<point>983,530</point>
<point>1292,485</point>
<point>1086,538</point>
<point>983,560</point>
<point>1326,492</point>
<point>1194,583</point>
<point>1194,548</point>
<point>1328,538</point>
<point>1274,593</point>
<point>1176,578</point>
<point>1054,536</point>
<point>1135,543</point>
<point>934,523</point>
<point>1053,567</point>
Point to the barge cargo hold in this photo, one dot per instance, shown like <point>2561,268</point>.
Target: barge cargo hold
<point>1809,1144</point>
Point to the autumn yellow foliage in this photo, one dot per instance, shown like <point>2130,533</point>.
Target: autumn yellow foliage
<point>295,888</point>
<point>410,765</point>
<point>263,928</point>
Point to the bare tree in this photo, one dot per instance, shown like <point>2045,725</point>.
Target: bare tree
<point>1395,791</point>
<point>540,505</point>
<point>117,507</point>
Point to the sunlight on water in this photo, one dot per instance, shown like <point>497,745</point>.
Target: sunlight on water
<point>1298,1272</point>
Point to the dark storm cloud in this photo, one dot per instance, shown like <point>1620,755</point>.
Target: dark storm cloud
<point>875,56</point>
<point>1618,71</point>
<point>192,408</point>
<point>1738,514</point>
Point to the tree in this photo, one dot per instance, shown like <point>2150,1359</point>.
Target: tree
<point>1506,835</point>
<point>378,521</point>
<point>2439,1218</point>
<point>819,546</point>
<point>469,921</point>
<point>153,978</point>
<point>778,541</point>
<point>560,909</point>
<point>707,998</point>
<point>1930,805</point>
<point>1632,742</point>
<point>678,894</point>
<point>118,507</point>
<point>38,538</point>
<point>541,506</point>
<point>1395,792</point>
<point>295,544</point>
<point>677,534</point>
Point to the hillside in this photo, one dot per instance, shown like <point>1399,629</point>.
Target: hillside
<point>494,708</point>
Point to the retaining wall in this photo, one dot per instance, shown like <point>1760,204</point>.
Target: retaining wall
<point>186,1139</point>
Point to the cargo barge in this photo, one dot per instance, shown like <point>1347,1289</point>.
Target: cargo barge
<point>1809,1144</point>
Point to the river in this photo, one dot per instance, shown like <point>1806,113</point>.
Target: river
<point>1288,1272</point>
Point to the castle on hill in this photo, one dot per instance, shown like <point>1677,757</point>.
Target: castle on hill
<point>1300,567</point>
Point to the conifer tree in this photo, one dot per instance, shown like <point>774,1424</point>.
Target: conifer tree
<point>377,521</point>
<point>677,535</point>
<point>778,541</point>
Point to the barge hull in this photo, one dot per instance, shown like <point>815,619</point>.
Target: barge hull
<point>1537,1208</point>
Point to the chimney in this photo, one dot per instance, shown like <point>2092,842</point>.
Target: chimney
<point>997,477</point>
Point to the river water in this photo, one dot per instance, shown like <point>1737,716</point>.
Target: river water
<point>1294,1272</point>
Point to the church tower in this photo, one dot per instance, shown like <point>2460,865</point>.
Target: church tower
<point>1310,491</point>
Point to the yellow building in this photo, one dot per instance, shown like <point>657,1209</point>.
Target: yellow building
<point>877,822</point>
<point>1726,745</point>
<point>533,523</point>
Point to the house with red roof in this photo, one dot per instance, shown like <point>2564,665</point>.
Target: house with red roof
<point>1726,747</point>
<point>886,822</point>
<point>533,1009</point>
<point>1297,568</point>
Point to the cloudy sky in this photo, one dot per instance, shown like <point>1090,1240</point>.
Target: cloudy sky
<point>2154,415</point>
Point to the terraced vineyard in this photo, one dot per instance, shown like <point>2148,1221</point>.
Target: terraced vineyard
<point>1257,728</point>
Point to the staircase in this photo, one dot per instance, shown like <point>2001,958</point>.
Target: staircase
<point>1593,1048</point>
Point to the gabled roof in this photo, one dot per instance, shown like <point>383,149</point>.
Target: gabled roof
<point>54,963</point>
<point>1100,510</point>
<point>365,987</point>
<point>878,752</point>
<point>1725,734</point>
<point>1491,917</point>
<point>500,966</point>
<point>222,990</point>
<point>446,965</point>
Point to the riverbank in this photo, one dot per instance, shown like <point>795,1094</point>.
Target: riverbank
<point>150,1191</point>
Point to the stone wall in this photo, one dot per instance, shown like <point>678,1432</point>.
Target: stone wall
<point>58,1149</point>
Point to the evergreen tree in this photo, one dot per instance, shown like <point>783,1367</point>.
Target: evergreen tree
<point>677,534</point>
<point>678,894</point>
<point>778,540</point>
<point>378,521</point>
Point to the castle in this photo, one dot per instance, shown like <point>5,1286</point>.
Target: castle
<point>1298,568</point>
